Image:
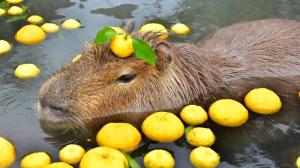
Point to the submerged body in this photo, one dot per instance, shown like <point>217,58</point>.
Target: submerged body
<point>102,88</point>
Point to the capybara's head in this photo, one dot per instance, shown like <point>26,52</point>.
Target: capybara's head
<point>102,86</point>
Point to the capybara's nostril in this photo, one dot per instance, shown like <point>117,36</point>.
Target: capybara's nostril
<point>53,111</point>
<point>51,106</point>
<point>57,109</point>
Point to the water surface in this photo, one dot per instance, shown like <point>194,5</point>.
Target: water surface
<point>265,141</point>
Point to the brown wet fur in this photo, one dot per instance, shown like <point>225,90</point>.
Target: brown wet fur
<point>232,61</point>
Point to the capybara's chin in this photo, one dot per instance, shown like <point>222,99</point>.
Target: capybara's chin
<point>101,88</point>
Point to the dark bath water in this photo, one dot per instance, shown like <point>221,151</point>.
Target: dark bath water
<point>265,141</point>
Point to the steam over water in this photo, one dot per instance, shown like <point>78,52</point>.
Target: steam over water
<point>265,141</point>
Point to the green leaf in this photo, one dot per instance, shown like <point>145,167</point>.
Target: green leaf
<point>24,7</point>
<point>16,18</point>
<point>144,51</point>
<point>104,35</point>
<point>4,5</point>
<point>188,129</point>
<point>132,163</point>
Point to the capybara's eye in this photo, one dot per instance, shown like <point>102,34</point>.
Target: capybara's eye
<point>126,78</point>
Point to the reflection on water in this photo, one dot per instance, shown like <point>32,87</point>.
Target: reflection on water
<point>125,11</point>
<point>265,141</point>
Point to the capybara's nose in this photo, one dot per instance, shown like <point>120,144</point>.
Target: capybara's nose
<point>51,106</point>
<point>52,101</point>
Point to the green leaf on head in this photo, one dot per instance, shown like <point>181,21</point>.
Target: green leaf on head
<point>104,35</point>
<point>143,51</point>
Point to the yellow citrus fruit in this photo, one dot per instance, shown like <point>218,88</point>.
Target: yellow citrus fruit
<point>76,58</point>
<point>15,10</point>
<point>14,1</point>
<point>30,35</point>
<point>122,136</point>
<point>104,157</point>
<point>35,160</point>
<point>163,127</point>
<point>58,165</point>
<point>70,24</point>
<point>228,112</point>
<point>26,71</point>
<point>200,136</point>
<point>5,47</point>
<point>204,157</point>
<point>155,27</point>
<point>180,29</point>
<point>118,29</point>
<point>7,153</point>
<point>35,19</point>
<point>50,27</point>
<point>263,101</point>
<point>2,12</point>
<point>193,115</point>
<point>298,162</point>
<point>71,154</point>
<point>159,158</point>
<point>121,45</point>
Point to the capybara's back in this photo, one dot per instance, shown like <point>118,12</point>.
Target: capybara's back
<point>262,53</point>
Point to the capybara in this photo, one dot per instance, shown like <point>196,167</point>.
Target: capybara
<point>102,88</point>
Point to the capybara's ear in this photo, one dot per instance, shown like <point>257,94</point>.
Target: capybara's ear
<point>164,55</point>
<point>129,26</point>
